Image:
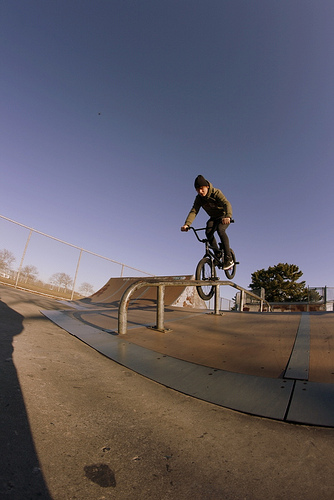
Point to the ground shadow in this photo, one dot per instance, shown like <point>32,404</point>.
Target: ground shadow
<point>20,472</point>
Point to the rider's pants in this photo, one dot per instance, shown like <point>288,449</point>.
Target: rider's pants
<point>215,225</point>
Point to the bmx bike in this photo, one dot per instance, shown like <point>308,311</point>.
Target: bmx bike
<point>206,268</point>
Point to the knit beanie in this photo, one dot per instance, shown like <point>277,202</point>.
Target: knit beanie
<point>200,181</point>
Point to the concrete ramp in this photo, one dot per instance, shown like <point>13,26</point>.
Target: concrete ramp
<point>274,365</point>
<point>111,293</point>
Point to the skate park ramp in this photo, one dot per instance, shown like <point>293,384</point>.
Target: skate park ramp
<point>273,365</point>
<point>111,293</point>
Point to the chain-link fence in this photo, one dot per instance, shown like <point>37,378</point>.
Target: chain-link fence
<point>33,260</point>
<point>322,295</point>
<point>329,293</point>
<point>319,299</point>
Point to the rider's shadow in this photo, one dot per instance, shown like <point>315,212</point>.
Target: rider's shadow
<point>20,472</point>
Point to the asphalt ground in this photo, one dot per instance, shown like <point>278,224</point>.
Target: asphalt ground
<point>76,425</point>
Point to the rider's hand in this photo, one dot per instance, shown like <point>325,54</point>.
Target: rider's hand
<point>226,220</point>
<point>185,228</point>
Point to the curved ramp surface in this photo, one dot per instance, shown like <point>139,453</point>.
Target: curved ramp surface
<point>111,293</point>
<point>275,365</point>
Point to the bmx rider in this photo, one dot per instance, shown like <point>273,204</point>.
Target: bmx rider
<point>219,209</point>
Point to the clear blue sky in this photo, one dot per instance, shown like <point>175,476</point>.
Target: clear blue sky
<point>110,109</point>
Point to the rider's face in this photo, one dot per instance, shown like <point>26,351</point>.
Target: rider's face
<point>203,190</point>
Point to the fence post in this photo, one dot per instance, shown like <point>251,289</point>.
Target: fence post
<point>76,274</point>
<point>22,259</point>
<point>262,293</point>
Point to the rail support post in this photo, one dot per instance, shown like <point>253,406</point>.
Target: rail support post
<point>242,300</point>
<point>217,299</point>
<point>160,327</point>
<point>161,307</point>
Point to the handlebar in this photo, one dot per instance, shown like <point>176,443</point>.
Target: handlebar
<point>195,231</point>
<point>203,229</point>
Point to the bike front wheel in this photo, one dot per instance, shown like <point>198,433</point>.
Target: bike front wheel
<point>230,273</point>
<point>205,271</point>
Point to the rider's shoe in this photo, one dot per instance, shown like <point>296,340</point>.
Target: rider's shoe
<point>228,264</point>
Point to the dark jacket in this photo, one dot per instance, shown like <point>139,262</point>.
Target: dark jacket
<point>214,203</point>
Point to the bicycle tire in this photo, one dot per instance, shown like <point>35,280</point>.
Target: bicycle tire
<point>205,270</point>
<point>230,273</point>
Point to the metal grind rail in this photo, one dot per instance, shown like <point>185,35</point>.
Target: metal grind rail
<point>161,285</point>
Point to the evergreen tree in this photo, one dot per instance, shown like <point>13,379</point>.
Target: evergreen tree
<point>280,283</point>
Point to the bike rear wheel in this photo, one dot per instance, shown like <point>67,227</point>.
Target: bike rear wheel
<point>205,271</point>
<point>230,273</point>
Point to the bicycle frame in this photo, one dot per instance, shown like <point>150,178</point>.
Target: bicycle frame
<point>209,250</point>
<point>206,268</point>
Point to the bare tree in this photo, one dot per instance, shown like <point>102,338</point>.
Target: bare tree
<point>6,260</point>
<point>61,280</point>
<point>86,288</point>
<point>29,273</point>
